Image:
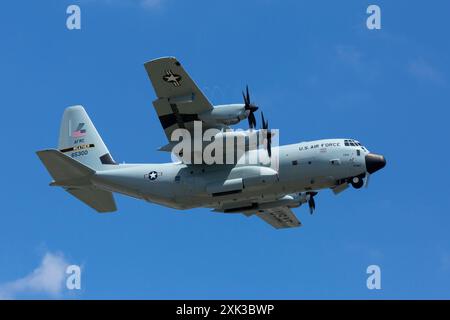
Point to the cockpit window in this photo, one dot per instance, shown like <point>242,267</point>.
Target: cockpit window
<point>354,143</point>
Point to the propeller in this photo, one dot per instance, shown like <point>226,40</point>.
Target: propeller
<point>265,126</point>
<point>311,202</point>
<point>249,107</point>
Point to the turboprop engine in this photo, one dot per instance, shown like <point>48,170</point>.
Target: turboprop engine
<point>231,114</point>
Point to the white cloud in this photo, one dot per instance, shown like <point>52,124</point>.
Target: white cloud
<point>423,70</point>
<point>48,278</point>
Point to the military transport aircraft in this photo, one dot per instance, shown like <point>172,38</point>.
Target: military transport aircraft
<point>83,166</point>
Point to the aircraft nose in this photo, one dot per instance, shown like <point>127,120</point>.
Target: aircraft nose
<point>374,162</point>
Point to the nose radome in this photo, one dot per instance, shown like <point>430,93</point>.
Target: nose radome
<point>374,162</point>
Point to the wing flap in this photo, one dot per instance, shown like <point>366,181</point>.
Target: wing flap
<point>279,217</point>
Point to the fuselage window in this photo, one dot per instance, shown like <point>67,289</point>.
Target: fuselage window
<point>295,162</point>
<point>358,152</point>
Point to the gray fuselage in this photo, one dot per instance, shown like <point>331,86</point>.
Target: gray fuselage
<point>302,167</point>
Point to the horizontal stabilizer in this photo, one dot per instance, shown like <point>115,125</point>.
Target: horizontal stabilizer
<point>168,147</point>
<point>102,201</point>
<point>75,178</point>
<point>65,170</point>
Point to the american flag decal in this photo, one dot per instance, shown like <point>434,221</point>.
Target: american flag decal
<point>79,132</point>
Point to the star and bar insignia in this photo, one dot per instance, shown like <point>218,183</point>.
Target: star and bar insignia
<point>172,78</point>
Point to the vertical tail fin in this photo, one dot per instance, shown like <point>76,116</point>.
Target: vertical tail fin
<point>79,139</point>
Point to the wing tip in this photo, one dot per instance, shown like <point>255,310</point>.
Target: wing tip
<point>46,151</point>
<point>166,58</point>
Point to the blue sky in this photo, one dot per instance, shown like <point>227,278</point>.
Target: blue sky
<point>315,70</point>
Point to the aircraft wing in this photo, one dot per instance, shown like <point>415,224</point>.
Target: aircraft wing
<point>179,100</point>
<point>279,217</point>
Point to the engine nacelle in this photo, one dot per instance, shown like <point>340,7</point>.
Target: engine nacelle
<point>240,179</point>
<point>254,177</point>
<point>228,114</point>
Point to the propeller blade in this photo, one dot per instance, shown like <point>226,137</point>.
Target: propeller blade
<point>251,120</point>
<point>251,108</point>
<point>311,202</point>
<point>248,94</point>
<point>265,126</point>
<point>312,205</point>
<point>245,99</point>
